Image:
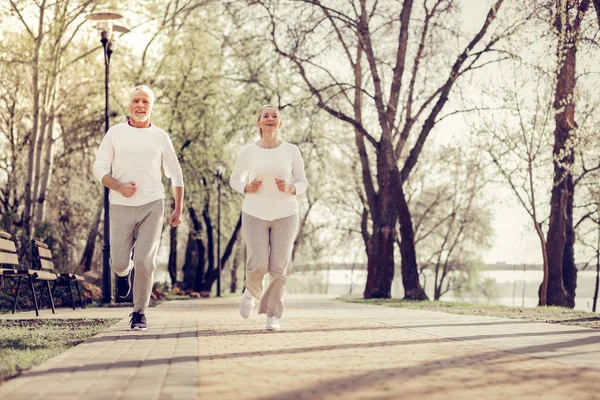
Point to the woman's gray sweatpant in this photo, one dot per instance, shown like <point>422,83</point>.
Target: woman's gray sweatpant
<point>269,247</point>
<point>138,228</point>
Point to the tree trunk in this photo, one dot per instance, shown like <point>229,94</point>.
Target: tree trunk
<point>300,236</point>
<point>555,245</point>
<point>193,268</point>
<point>88,254</point>
<point>39,151</point>
<point>172,265</point>
<point>564,104</point>
<point>234,266</point>
<point>46,174</point>
<point>33,138</point>
<point>230,244</point>
<point>597,284</point>
<point>597,267</point>
<point>381,264</point>
<point>190,262</point>
<point>380,260</point>
<point>408,254</point>
<point>40,208</point>
<point>211,271</point>
<point>437,285</point>
<point>569,267</point>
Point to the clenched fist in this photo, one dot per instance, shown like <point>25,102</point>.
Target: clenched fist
<point>253,186</point>
<point>127,189</point>
<point>284,187</point>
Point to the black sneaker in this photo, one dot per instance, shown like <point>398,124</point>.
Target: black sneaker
<point>138,322</point>
<point>124,285</point>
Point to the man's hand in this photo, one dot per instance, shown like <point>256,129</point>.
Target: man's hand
<point>175,218</point>
<point>127,189</point>
<point>253,186</point>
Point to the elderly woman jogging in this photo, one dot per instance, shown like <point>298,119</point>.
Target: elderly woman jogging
<point>270,174</point>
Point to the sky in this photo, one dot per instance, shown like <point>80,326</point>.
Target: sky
<point>514,242</point>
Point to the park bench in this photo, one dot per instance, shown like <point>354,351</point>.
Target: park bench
<point>10,268</point>
<point>42,260</point>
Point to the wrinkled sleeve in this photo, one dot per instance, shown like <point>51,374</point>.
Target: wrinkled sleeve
<point>298,174</point>
<point>237,180</point>
<point>104,156</point>
<point>171,163</point>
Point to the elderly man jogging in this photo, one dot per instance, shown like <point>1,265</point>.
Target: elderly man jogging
<point>129,162</point>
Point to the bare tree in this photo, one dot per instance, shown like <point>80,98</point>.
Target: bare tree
<point>356,32</point>
<point>519,150</point>
<point>51,40</point>
<point>452,223</point>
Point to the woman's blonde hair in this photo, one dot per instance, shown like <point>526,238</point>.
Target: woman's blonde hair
<point>260,111</point>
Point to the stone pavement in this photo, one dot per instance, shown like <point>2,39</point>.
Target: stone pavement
<point>327,349</point>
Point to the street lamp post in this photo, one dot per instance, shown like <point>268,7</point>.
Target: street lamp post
<point>108,39</point>
<point>220,168</point>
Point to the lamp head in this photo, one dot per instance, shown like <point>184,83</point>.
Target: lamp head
<point>104,22</point>
<point>220,168</point>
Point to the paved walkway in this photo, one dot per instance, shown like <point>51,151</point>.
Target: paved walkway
<point>327,349</point>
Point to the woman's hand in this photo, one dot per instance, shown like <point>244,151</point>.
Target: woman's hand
<point>284,187</point>
<point>253,186</point>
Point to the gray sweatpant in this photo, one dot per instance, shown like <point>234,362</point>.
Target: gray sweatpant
<point>138,228</point>
<point>269,247</point>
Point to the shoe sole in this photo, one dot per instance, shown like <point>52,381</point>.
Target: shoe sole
<point>128,291</point>
<point>136,328</point>
<point>246,316</point>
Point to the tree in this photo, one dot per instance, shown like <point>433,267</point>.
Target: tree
<point>562,271</point>
<point>51,34</point>
<point>452,221</point>
<point>357,96</point>
<point>517,141</point>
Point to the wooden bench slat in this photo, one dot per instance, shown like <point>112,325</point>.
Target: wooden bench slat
<point>44,276</point>
<point>70,276</point>
<point>45,253</point>
<point>47,264</point>
<point>16,272</point>
<point>37,274</point>
<point>5,235</point>
<point>40,244</point>
<point>9,258</point>
<point>7,245</point>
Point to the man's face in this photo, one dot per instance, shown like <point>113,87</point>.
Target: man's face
<point>140,107</point>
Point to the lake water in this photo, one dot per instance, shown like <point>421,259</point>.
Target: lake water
<point>509,287</point>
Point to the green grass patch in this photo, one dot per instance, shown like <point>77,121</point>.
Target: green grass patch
<point>556,315</point>
<point>25,343</point>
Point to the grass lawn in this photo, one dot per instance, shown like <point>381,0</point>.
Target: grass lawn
<point>25,343</point>
<point>556,315</point>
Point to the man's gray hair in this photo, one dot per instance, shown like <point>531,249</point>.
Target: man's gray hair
<point>142,88</point>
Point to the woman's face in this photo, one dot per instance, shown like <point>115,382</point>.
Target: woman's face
<point>269,121</point>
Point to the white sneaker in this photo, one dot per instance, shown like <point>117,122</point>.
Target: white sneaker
<point>273,324</point>
<point>246,305</point>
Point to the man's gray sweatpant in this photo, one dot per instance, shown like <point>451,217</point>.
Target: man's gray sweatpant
<point>138,228</point>
<point>269,247</point>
